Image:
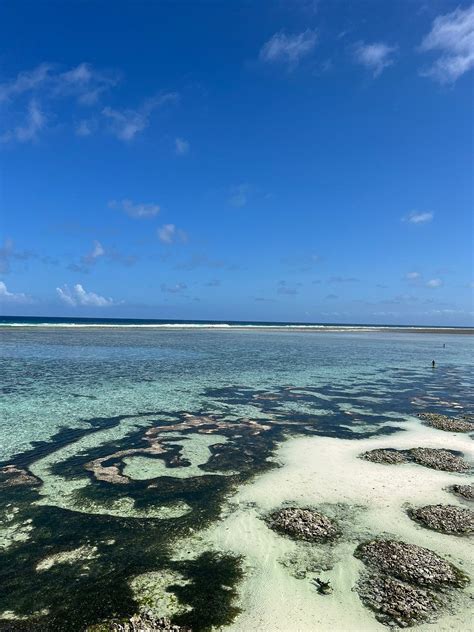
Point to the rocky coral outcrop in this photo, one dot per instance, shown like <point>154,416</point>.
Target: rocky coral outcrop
<point>445,518</point>
<point>303,524</point>
<point>396,603</point>
<point>449,424</point>
<point>464,491</point>
<point>139,623</point>
<point>439,459</point>
<point>390,456</point>
<point>410,563</point>
<point>435,458</point>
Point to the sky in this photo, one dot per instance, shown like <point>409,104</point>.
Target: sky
<point>307,161</point>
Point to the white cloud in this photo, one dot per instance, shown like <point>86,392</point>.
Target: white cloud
<point>433,283</point>
<point>11,297</point>
<point>79,296</point>
<point>138,211</point>
<point>453,36</point>
<point>127,124</point>
<point>288,49</point>
<point>376,57</point>
<point>413,276</point>
<point>168,234</point>
<point>34,123</point>
<point>418,218</point>
<point>181,147</point>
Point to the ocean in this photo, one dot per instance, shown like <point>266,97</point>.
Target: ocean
<point>127,440</point>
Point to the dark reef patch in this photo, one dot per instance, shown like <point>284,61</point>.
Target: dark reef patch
<point>463,491</point>
<point>397,603</point>
<point>411,563</point>
<point>448,519</point>
<point>434,458</point>
<point>303,524</point>
<point>406,584</point>
<point>449,424</point>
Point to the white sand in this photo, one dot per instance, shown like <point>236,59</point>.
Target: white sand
<point>326,470</point>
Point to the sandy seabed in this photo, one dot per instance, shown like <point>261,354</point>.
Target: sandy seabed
<point>371,500</point>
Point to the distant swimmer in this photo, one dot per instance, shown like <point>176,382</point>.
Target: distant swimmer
<point>433,364</point>
<point>444,346</point>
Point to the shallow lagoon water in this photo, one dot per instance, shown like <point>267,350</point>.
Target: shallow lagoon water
<point>142,440</point>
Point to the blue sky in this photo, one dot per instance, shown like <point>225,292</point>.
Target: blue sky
<point>303,161</point>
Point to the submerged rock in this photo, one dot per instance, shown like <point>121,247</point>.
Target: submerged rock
<point>450,424</point>
<point>464,491</point>
<point>12,476</point>
<point>395,602</point>
<point>411,563</point>
<point>439,459</point>
<point>324,588</point>
<point>445,518</point>
<point>139,623</point>
<point>385,455</point>
<point>303,524</point>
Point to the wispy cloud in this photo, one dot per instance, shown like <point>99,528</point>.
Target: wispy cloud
<point>169,234</point>
<point>96,252</point>
<point>413,276</point>
<point>27,93</point>
<point>434,283</point>
<point>288,49</point>
<point>342,279</point>
<point>78,296</point>
<point>134,209</point>
<point>239,195</point>
<point>9,253</point>
<point>201,261</point>
<point>83,82</point>
<point>86,127</point>
<point>126,124</point>
<point>213,283</point>
<point>283,287</point>
<point>34,122</point>
<point>181,147</point>
<point>173,289</point>
<point>375,57</point>
<point>302,263</point>
<point>89,259</point>
<point>10,297</point>
<point>418,218</point>
<point>452,36</point>
<point>25,82</point>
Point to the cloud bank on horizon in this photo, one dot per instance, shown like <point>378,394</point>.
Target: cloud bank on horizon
<point>208,171</point>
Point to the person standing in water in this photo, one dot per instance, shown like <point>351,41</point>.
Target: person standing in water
<point>433,364</point>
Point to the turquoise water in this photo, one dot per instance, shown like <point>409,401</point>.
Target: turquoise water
<point>102,417</point>
<point>52,379</point>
